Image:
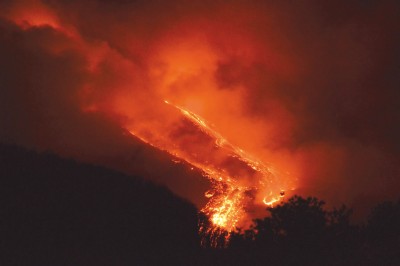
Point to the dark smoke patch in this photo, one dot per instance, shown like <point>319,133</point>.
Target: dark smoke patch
<point>322,76</point>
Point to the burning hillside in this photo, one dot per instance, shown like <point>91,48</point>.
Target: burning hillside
<point>260,98</point>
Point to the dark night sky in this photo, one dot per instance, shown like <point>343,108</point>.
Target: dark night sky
<point>313,86</point>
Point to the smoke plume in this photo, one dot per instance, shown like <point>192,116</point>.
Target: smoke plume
<point>309,87</point>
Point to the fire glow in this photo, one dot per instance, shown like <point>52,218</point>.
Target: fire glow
<point>207,127</point>
<point>197,70</point>
<point>263,97</point>
<point>231,192</point>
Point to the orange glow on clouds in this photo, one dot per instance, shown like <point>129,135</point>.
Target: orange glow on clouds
<point>256,99</point>
<point>182,71</point>
<point>178,105</point>
<point>32,13</point>
<point>211,131</point>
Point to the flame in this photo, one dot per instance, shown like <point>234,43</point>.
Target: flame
<point>239,179</point>
<point>232,191</point>
<point>177,111</point>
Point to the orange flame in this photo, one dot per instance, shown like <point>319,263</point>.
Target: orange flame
<point>232,191</point>
<point>239,179</point>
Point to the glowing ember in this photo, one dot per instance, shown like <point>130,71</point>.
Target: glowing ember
<point>239,181</point>
<point>237,177</point>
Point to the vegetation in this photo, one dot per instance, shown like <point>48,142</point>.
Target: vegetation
<point>302,232</point>
<point>59,212</point>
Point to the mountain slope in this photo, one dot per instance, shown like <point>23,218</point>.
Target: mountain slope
<point>59,212</point>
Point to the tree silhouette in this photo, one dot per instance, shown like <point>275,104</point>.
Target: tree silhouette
<point>384,223</point>
<point>59,212</point>
<point>383,234</point>
<point>299,218</point>
<point>303,228</point>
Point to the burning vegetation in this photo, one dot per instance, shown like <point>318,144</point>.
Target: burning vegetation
<point>238,179</point>
<point>281,97</point>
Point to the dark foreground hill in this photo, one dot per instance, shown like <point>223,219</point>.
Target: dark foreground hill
<point>55,211</point>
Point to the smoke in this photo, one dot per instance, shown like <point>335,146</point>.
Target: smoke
<point>310,87</point>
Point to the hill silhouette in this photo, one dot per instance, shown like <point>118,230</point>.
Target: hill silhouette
<point>56,211</point>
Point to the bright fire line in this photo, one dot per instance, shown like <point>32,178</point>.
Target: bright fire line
<point>227,197</point>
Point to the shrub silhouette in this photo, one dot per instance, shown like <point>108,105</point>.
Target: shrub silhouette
<point>383,234</point>
<point>55,211</point>
<point>300,232</point>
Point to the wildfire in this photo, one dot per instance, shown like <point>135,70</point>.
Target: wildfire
<point>236,176</point>
<point>239,180</point>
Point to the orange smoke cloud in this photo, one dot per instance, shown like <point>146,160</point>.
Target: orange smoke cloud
<point>308,88</point>
<point>31,13</point>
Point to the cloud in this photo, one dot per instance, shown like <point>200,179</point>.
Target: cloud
<point>311,87</point>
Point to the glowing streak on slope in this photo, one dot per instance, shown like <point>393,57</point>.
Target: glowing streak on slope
<point>220,141</point>
<point>229,195</point>
<point>227,212</point>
